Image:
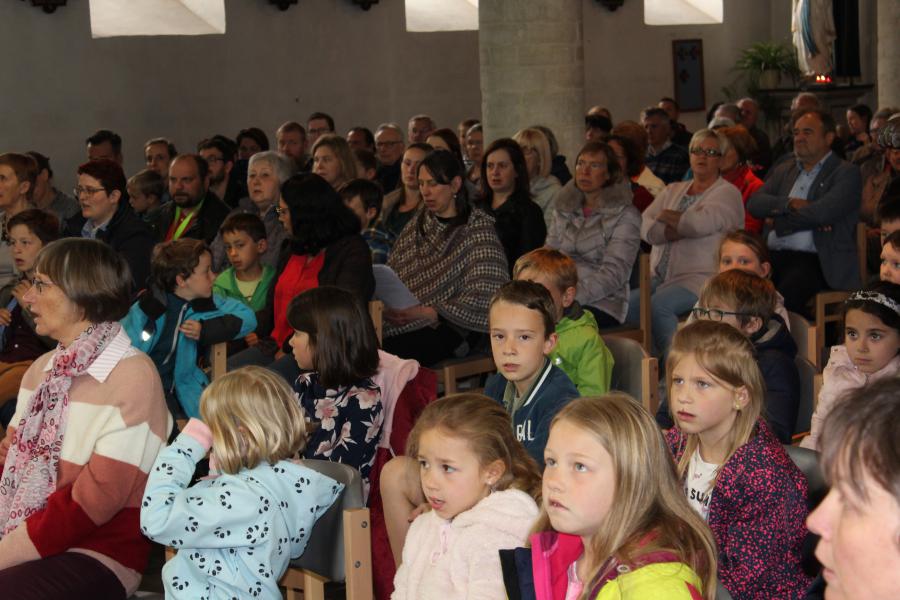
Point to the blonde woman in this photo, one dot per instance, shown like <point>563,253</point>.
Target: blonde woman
<point>538,159</point>
<point>333,160</point>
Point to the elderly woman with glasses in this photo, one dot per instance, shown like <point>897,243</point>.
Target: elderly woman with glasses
<point>684,226</point>
<point>90,419</point>
<point>265,174</point>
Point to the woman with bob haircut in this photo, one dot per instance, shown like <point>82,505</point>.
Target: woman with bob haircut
<point>859,519</point>
<point>333,160</point>
<point>542,184</point>
<point>506,196</point>
<point>451,259</point>
<point>90,420</point>
<point>323,247</point>
<point>684,226</point>
<point>595,222</point>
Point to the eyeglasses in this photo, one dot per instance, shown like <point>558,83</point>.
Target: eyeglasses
<point>386,144</point>
<point>90,191</point>
<point>592,165</point>
<point>708,152</point>
<point>40,285</point>
<point>213,158</point>
<point>714,314</point>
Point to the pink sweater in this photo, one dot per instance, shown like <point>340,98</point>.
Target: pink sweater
<point>117,424</point>
<point>459,559</point>
<point>839,377</point>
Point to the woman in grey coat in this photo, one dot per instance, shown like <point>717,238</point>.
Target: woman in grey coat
<point>595,223</point>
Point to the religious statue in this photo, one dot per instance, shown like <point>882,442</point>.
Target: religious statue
<point>812,26</point>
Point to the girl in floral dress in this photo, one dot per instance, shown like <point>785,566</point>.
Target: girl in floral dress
<point>335,345</point>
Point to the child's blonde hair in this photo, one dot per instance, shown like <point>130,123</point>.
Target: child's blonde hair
<point>254,416</point>
<point>728,356</point>
<point>548,261</point>
<point>648,497</point>
<point>486,426</point>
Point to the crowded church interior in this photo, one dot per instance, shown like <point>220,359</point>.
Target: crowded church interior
<point>450,299</point>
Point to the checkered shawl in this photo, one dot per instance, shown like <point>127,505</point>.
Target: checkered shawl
<point>455,270</point>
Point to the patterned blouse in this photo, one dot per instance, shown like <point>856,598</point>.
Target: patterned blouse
<point>342,425</point>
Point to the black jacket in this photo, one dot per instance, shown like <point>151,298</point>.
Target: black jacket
<point>775,354</point>
<point>128,235</point>
<point>204,226</point>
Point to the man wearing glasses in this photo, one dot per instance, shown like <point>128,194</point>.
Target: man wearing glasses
<point>389,148</point>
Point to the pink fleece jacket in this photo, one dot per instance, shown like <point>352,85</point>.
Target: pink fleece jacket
<point>459,559</point>
<point>839,377</point>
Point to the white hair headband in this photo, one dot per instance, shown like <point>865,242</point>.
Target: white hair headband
<point>877,298</point>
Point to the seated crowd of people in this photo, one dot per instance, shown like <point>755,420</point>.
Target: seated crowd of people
<point>550,484</point>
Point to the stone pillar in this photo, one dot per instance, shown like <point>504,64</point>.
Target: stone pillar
<point>532,69</point>
<point>887,54</point>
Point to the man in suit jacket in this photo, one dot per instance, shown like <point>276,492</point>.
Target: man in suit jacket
<point>813,203</point>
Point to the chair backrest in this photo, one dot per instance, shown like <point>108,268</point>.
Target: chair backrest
<point>807,405</point>
<point>376,313</point>
<point>721,592</point>
<point>804,334</point>
<point>324,553</point>
<point>634,372</point>
<point>829,312</point>
<point>808,462</point>
<point>862,245</point>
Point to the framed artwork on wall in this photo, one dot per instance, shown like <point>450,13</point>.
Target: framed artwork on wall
<point>687,65</point>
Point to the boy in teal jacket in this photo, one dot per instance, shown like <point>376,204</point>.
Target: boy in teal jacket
<point>580,350</point>
<point>178,314</point>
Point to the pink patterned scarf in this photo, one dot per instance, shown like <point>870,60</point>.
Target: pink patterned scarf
<point>32,463</point>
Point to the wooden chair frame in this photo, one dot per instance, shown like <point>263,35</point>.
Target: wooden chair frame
<point>828,309</point>
<point>451,371</point>
<point>643,334</point>
<point>306,585</point>
<point>376,313</point>
<point>649,396</point>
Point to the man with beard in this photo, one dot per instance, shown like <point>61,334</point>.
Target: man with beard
<point>219,152</point>
<point>291,142</point>
<point>194,212</point>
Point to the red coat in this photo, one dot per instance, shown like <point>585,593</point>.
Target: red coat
<point>744,180</point>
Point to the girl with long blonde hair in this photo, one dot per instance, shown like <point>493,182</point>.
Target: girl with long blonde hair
<point>614,522</point>
<point>735,472</point>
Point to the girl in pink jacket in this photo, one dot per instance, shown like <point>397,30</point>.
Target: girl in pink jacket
<point>871,349</point>
<point>480,484</point>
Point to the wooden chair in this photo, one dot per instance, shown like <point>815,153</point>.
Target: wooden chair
<point>804,334</point>
<point>862,247</point>
<point>453,370</point>
<point>376,313</point>
<point>339,546</point>
<point>643,333</point>
<point>828,311</point>
<point>635,372</point>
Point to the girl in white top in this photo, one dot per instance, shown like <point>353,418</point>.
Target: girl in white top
<point>871,349</point>
<point>480,484</point>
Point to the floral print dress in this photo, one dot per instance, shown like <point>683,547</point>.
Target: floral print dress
<point>342,425</point>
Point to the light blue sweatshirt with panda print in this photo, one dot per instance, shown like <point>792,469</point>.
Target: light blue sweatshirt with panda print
<point>235,534</point>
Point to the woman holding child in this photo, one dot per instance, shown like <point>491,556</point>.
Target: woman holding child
<point>451,259</point>
<point>90,420</point>
<point>684,225</point>
<point>595,222</point>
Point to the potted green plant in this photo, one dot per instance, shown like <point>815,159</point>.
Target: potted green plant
<point>764,62</point>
